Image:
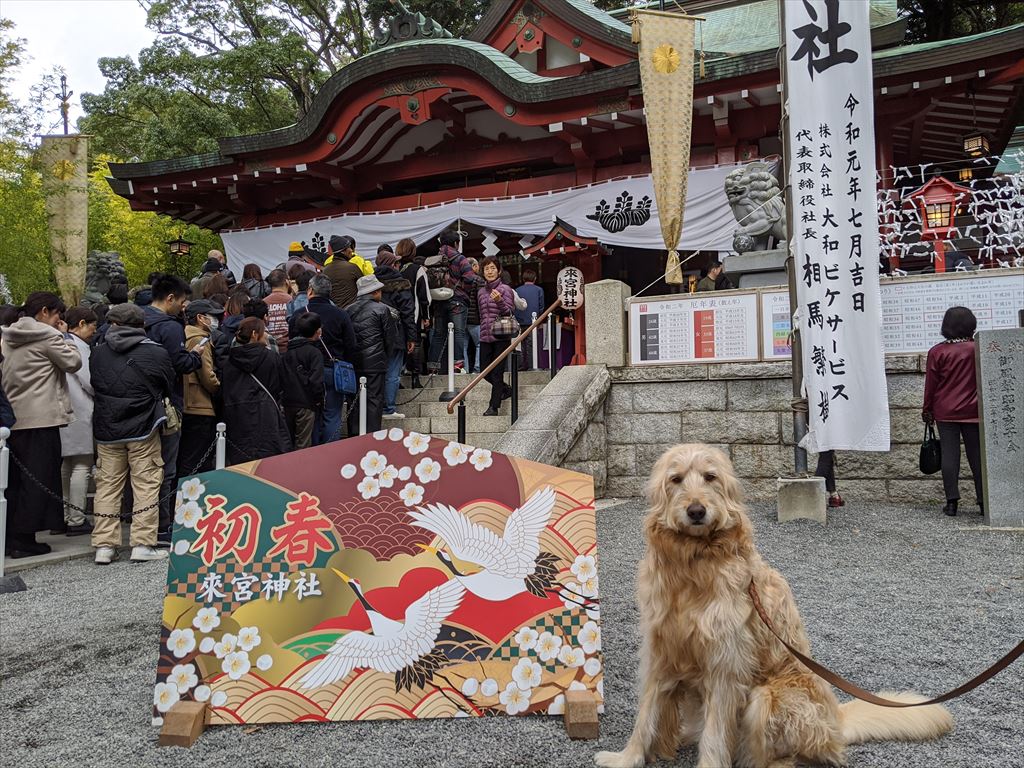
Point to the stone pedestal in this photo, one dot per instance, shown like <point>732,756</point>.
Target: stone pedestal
<point>802,498</point>
<point>1000,366</point>
<point>607,323</point>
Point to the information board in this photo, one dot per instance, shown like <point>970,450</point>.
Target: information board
<point>712,328</point>
<point>776,324</point>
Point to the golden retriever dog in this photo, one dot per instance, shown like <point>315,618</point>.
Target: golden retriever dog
<point>710,671</point>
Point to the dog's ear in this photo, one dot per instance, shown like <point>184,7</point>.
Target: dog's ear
<point>657,488</point>
<point>733,490</point>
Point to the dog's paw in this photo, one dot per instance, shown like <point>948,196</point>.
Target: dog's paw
<point>618,760</point>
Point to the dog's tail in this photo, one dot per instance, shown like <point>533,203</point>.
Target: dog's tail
<point>861,721</point>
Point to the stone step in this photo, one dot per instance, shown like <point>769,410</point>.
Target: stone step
<point>409,424</point>
<point>441,409</point>
<point>474,423</point>
<point>481,392</point>
<point>441,380</point>
<point>476,439</point>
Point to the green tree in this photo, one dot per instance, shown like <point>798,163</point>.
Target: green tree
<point>930,20</point>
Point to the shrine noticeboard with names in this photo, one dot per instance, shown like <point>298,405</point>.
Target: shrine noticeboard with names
<point>705,328</point>
<point>776,325</point>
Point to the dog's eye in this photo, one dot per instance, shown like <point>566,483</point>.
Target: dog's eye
<point>710,477</point>
<point>677,479</point>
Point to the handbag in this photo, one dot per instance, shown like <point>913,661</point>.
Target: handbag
<point>505,327</point>
<point>930,461</point>
<point>344,374</point>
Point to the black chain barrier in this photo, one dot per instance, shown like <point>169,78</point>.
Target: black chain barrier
<point>116,515</point>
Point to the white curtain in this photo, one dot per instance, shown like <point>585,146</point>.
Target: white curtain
<point>621,216</point>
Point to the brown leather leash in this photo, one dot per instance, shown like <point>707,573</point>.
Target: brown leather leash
<point>859,693</point>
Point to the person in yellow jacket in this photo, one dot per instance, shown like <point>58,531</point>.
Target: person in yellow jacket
<point>345,246</point>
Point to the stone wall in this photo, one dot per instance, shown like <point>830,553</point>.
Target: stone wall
<point>744,408</point>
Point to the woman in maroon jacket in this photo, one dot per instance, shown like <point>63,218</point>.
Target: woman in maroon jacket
<point>951,400</point>
<point>495,299</point>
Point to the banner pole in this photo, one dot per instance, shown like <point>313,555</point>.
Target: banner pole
<point>799,405</point>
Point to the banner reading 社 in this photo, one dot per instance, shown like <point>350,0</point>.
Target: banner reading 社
<point>834,231</point>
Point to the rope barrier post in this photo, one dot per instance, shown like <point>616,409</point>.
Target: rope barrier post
<point>513,377</point>
<point>534,352</point>
<point>449,394</point>
<point>222,445</point>
<point>551,345</point>
<point>7,583</point>
<point>362,405</point>
<point>462,422</point>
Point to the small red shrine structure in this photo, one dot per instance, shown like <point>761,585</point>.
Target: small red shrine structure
<point>938,201</point>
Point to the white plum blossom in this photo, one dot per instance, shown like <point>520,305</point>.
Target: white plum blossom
<point>264,662</point>
<point>594,613</point>
<point>568,595</point>
<point>404,473</point>
<point>181,642</point>
<point>470,686</point>
<point>515,699</point>
<point>571,657</point>
<point>181,546</point>
<point>455,453</point>
<point>395,434</point>
<point>557,705</point>
<point>592,666</point>
<point>526,674</point>
<point>178,500</point>
<point>368,488</point>
<point>165,696</point>
<point>184,676</point>
<point>226,645</point>
<point>236,664</point>
<point>481,459</point>
<point>188,514</point>
<point>206,644</point>
<point>206,620</point>
<point>387,476</point>
<point>428,470</point>
<point>411,494</point>
<point>202,693</point>
<point>489,687</point>
<point>248,638</point>
<point>192,489</point>
<point>588,587</point>
<point>589,637</point>
<point>373,463</point>
<point>583,567</point>
<point>380,434</point>
<point>348,471</point>
<point>548,646</point>
<point>416,443</point>
<point>526,638</point>
<point>219,699</point>
<point>576,685</point>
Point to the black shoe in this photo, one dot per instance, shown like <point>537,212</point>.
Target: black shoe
<point>79,530</point>
<point>506,393</point>
<point>28,547</point>
<point>416,383</point>
<point>491,412</point>
<point>950,508</point>
<point>60,530</point>
<point>163,538</point>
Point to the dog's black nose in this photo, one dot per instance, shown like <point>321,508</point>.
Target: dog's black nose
<point>696,512</point>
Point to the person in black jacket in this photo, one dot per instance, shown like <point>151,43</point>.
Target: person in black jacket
<point>378,335</point>
<point>412,269</point>
<point>164,325</point>
<point>337,343</point>
<point>397,294</point>
<point>6,412</point>
<point>130,375</point>
<point>303,380</point>
<point>252,388</point>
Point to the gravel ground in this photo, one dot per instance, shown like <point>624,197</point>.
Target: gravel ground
<point>892,598</point>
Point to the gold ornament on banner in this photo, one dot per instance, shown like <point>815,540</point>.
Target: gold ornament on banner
<point>666,75</point>
<point>63,169</point>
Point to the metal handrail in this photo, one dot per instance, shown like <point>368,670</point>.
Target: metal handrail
<point>500,359</point>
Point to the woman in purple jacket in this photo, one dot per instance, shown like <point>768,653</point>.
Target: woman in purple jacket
<point>951,400</point>
<point>495,299</point>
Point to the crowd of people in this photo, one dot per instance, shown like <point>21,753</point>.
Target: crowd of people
<point>130,393</point>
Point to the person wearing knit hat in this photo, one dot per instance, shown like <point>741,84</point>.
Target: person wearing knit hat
<point>387,259</point>
<point>297,255</point>
<point>345,246</point>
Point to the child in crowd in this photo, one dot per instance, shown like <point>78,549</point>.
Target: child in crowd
<point>303,380</point>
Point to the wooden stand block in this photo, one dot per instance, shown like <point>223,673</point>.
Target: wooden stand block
<point>581,715</point>
<point>184,723</point>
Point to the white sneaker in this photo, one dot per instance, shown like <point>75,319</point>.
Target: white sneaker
<point>143,554</point>
<point>395,415</point>
<point>105,555</point>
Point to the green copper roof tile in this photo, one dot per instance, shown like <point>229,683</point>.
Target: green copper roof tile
<point>503,62</point>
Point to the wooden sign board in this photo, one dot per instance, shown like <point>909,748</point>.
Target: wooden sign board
<point>389,576</point>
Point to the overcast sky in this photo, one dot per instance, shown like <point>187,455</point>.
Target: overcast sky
<point>74,34</point>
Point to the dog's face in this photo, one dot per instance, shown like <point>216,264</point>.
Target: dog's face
<point>694,491</point>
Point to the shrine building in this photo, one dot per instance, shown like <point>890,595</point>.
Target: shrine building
<point>544,96</point>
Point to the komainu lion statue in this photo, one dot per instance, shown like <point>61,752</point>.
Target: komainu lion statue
<point>758,205</point>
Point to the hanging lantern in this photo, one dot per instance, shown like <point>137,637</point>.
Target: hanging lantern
<point>966,174</point>
<point>179,247</point>
<point>976,144</point>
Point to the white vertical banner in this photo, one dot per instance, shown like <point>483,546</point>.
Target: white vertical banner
<point>835,224</point>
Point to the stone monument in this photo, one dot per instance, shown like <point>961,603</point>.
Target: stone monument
<point>1000,366</point>
<point>102,270</point>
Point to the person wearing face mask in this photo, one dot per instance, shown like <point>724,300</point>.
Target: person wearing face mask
<point>37,356</point>
<point>199,419</point>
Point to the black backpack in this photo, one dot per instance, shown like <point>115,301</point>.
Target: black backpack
<point>439,277</point>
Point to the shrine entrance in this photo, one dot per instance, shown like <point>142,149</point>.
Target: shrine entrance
<point>565,245</point>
